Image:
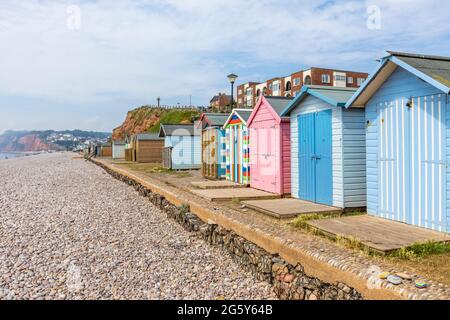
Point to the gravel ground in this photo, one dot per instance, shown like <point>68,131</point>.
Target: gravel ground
<point>70,231</point>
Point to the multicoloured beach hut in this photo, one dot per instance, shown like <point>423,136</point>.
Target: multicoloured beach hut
<point>213,145</point>
<point>328,149</point>
<point>238,146</point>
<point>270,146</point>
<point>407,108</point>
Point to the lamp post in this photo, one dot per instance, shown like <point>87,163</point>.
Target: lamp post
<point>232,77</point>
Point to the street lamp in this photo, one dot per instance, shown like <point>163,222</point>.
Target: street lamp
<point>232,77</point>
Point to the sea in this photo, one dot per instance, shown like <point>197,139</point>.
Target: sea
<point>7,155</point>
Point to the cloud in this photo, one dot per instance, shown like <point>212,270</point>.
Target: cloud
<point>132,51</point>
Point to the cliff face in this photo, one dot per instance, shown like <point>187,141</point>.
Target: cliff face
<point>147,119</point>
<point>25,143</point>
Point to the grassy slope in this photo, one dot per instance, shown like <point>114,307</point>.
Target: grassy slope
<point>175,116</point>
<point>148,119</point>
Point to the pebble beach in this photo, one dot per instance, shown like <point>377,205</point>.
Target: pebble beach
<point>68,230</point>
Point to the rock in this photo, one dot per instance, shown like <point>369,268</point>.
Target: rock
<point>404,276</point>
<point>312,297</point>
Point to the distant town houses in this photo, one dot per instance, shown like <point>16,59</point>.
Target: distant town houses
<point>290,86</point>
<point>220,102</point>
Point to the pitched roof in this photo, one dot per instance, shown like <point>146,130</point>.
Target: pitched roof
<point>243,115</point>
<point>435,67</point>
<point>279,103</point>
<point>434,70</point>
<point>334,96</point>
<point>167,130</point>
<point>216,98</point>
<point>147,136</point>
<point>215,119</point>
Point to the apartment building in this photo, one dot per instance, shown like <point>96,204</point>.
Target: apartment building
<point>290,86</point>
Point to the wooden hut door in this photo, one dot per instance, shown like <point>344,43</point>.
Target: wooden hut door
<point>265,166</point>
<point>411,161</point>
<point>315,157</point>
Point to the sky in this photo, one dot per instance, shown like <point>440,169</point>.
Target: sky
<point>84,64</point>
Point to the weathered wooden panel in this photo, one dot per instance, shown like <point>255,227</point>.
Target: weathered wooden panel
<point>128,154</point>
<point>106,151</point>
<point>149,151</point>
<point>167,158</point>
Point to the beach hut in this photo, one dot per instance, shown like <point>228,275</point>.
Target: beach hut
<point>118,149</point>
<point>213,145</point>
<point>98,150</point>
<point>237,146</point>
<point>106,150</point>
<point>406,102</point>
<point>327,148</point>
<point>128,148</point>
<point>182,146</point>
<point>270,146</point>
<point>147,148</point>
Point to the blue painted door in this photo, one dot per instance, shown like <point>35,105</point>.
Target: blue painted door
<point>411,161</point>
<point>315,157</point>
<point>306,157</point>
<point>323,160</point>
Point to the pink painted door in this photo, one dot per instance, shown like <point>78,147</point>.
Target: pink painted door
<point>265,158</point>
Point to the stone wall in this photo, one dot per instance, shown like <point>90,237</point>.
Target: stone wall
<point>290,282</point>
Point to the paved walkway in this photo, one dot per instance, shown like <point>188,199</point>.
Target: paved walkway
<point>381,235</point>
<point>216,184</point>
<point>289,208</point>
<point>228,194</point>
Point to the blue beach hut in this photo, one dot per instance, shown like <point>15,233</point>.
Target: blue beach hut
<point>182,146</point>
<point>406,102</point>
<point>327,148</point>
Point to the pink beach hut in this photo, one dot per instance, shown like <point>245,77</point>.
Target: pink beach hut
<point>270,149</point>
